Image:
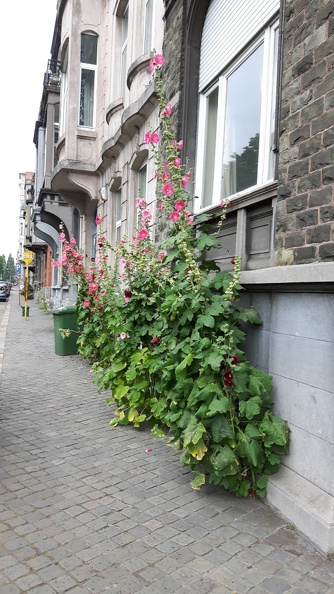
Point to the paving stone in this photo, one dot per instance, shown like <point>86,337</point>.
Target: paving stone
<point>84,508</point>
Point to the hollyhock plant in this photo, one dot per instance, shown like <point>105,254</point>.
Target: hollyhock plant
<point>166,330</point>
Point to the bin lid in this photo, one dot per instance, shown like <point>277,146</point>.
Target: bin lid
<point>65,310</point>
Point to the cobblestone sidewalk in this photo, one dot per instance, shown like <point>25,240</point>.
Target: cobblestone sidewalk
<point>89,509</point>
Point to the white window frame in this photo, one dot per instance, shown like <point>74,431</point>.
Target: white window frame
<point>149,11</point>
<point>118,222</point>
<point>93,67</point>
<point>267,37</point>
<point>64,96</point>
<point>124,49</point>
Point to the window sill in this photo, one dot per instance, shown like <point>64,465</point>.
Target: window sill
<point>86,133</point>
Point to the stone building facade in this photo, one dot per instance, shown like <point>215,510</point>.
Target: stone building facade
<point>252,93</point>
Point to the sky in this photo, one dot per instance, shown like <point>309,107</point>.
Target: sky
<point>25,43</point>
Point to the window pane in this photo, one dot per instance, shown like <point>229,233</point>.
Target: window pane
<point>242,125</point>
<point>142,181</point>
<point>87,97</point>
<point>125,25</point>
<point>148,26</point>
<point>272,159</point>
<point>118,206</point>
<point>210,147</point>
<point>88,49</point>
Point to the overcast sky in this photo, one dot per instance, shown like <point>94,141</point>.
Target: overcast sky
<point>25,43</point>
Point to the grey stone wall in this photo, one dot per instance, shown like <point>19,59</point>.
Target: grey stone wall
<point>295,346</point>
<point>305,209</point>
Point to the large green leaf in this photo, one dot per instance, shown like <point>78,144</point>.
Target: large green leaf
<point>198,481</point>
<point>218,405</point>
<point>250,315</point>
<point>206,320</point>
<point>223,458</point>
<point>275,429</point>
<point>250,408</point>
<point>251,450</point>
<point>120,391</point>
<point>193,432</point>
<point>221,429</point>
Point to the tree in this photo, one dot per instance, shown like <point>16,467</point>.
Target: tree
<point>10,268</point>
<point>2,266</point>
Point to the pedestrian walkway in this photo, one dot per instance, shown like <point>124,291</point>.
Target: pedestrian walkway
<point>85,508</point>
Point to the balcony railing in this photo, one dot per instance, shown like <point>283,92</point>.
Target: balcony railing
<point>52,76</point>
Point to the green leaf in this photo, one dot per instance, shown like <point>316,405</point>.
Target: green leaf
<point>206,320</point>
<point>218,405</point>
<point>198,481</point>
<point>185,363</point>
<point>214,360</point>
<point>275,429</point>
<point>206,242</point>
<point>113,422</point>
<point>221,429</point>
<point>250,315</point>
<point>251,450</point>
<point>251,407</point>
<point>223,458</point>
<point>121,391</point>
<point>252,431</point>
<point>193,432</point>
<point>157,432</point>
<point>261,483</point>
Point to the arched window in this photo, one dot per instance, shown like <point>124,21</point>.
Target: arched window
<point>237,98</point>
<point>88,69</point>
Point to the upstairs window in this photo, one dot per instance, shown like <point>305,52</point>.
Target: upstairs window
<point>55,133</point>
<point>124,48</point>
<point>88,66</point>
<point>148,32</point>
<point>64,95</point>
<point>237,100</point>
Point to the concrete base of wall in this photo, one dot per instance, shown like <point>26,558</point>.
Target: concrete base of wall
<point>307,507</point>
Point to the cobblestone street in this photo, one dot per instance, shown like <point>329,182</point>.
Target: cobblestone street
<point>85,508</point>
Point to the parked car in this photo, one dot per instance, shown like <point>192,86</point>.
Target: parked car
<point>3,292</point>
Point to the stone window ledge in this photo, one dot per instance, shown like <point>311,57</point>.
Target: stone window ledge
<point>302,277</point>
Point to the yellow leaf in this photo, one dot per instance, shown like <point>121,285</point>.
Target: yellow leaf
<point>198,450</point>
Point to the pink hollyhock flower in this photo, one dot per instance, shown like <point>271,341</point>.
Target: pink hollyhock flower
<point>168,189</point>
<point>123,261</point>
<point>179,205</point>
<point>165,176</point>
<point>222,203</point>
<point>168,110</point>
<point>142,233</point>
<point>140,202</point>
<point>123,335</point>
<point>155,175</point>
<point>98,220</point>
<point>160,207</point>
<point>61,226</point>
<point>190,220</point>
<point>180,144</point>
<point>177,162</point>
<point>151,66</point>
<point>165,165</point>
<point>146,214</point>
<point>146,251</point>
<point>62,236</point>
<point>172,143</point>
<point>72,241</point>
<point>158,60</point>
<point>184,181</point>
<point>162,255</point>
<point>174,216</point>
<point>86,303</point>
<point>152,138</point>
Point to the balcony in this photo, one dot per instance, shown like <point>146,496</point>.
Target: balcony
<point>52,76</point>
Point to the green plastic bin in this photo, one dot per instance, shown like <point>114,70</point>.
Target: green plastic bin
<point>65,319</point>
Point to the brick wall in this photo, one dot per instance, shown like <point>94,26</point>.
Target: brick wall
<point>305,207</point>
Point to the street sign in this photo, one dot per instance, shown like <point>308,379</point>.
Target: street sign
<point>28,256</point>
<point>18,268</point>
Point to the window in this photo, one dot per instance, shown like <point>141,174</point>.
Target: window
<point>236,103</point>
<point>124,48</point>
<point>64,95</point>
<point>118,215</point>
<point>148,33</point>
<point>88,63</point>
<point>55,133</point>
